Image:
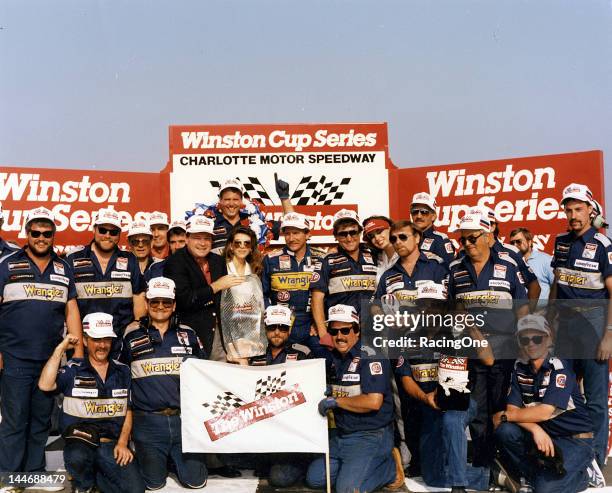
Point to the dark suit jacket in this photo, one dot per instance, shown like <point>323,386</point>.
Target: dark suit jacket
<point>196,305</point>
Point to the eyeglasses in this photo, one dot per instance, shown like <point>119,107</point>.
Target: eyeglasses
<point>516,242</point>
<point>464,240</point>
<point>140,241</point>
<point>241,244</point>
<point>346,234</point>
<point>280,328</point>
<point>344,331</point>
<point>161,302</point>
<point>524,341</point>
<point>422,212</point>
<point>36,234</point>
<point>400,236</point>
<point>111,232</point>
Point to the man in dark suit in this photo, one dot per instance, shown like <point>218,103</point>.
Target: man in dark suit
<point>200,276</point>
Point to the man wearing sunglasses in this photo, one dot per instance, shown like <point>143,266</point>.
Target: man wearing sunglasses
<point>287,274</point>
<point>361,453</point>
<point>483,283</point>
<point>546,415</point>
<point>582,261</point>
<point>282,470</point>
<point>38,297</point>
<point>108,279</point>
<point>151,346</point>
<point>434,244</point>
<point>140,239</point>
<point>347,277</point>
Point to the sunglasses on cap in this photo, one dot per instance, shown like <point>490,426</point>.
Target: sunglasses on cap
<point>344,331</point>
<point>524,341</point>
<point>166,303</point>
<point>469,239</point>
<point>140,241</point>
<point>346,234</point>
<point>399,236</point>
<point>36,234</point>
<point>422,212</point>
<point>279,327</point>
<point>112,232</point>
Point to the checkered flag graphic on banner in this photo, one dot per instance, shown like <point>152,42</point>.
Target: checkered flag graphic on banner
<point>253,189</point>
<point>223,403</point>
<point>313,191</point>
<point>266,386</point>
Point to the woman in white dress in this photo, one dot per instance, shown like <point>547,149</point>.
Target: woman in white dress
<point>243,333</point>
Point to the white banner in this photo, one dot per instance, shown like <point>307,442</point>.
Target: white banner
<point>233,409</point>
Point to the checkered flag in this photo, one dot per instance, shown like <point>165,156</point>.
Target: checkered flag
<point>223,403</point>
<point>266,386</point>
<point>253,189</point>
<point>313,191</point>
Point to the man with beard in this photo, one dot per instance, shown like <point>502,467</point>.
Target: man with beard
<point>434,244</point>
<point>159,229</point>
<point>347,277</point>
<point>284,470</point>
<point>96,419</point>
<point>38,298</point>
<point>582,262</point>
<point>108,279</point>
<point>287,273</point>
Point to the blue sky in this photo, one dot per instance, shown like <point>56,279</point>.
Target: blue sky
<point>95,84</point>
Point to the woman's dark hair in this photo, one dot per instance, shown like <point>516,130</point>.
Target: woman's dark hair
<point>255,258</point>
<point>371,218</point>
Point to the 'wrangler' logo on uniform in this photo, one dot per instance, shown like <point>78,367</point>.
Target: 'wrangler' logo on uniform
<point>109,290</point>
<point>294,281</point>
<point>31,290</point>
<point>358,282</point>
<point>105,289</point>
<point>156,367</point>
<point>95,408</point>
<point>347,282</point>
<point>109,408</point>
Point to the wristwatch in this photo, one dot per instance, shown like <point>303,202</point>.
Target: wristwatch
<point>503,417</point>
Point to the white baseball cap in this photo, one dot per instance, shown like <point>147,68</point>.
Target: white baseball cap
<point>485,212</point>
<point>108,216</point>
<point>431,291</point>
<point>161,287</point>
<point>346,214</point>
<point>278,315</point>
<point>474,220</point>
<point>179,223</point>
<point>40,213</point>
<point>578,192</point>
<point>139,228</point>
<point>342,313</point>
<point>98,325</point>
<point>157,217</point>
<point>294,220</point>
<point>200,224</point>
<point>231,183</point>
<point>425,199</point>
<point>534,322</point>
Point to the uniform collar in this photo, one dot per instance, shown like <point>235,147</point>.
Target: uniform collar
<point>589,235</point>
<point>112,367</point>
<point>23,253</point>
<point>428,233</point>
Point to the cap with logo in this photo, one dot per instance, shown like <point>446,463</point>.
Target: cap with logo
<point>533,322</point>
<point>40,213</point>
<point>158,218</point>
<point>294,220</point>
<point>200,224</point>
<point>139,228</point>
<point>345,214</point>
<point>108,216</point>
<point>342,313</point>
<point>423,198</point>
<point>485,211</point>
<point>375,224</point>
<point>178,224</point>
<point>98,325</point>
<point>278,315</point>
<point>578,192</point>
<point>474,220</point>
<point>161,287</point>
<point>231,183</point>
<point>431,291</point>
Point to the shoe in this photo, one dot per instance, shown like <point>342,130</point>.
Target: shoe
<point>225,472</point>
<point>596,477</point>
<point>500,478</point>
<point>400,478</point>
<point>525,486</point>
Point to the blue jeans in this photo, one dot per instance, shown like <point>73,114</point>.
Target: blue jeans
<point>96,466</point>
<point>157,438</point>
<point>359,462</point>
<point>443,450</point>
<point>583,333</point>
<point>26,416</point>
<point>515,442</point>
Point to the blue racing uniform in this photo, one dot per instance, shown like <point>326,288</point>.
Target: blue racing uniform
<point>436,246</point>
